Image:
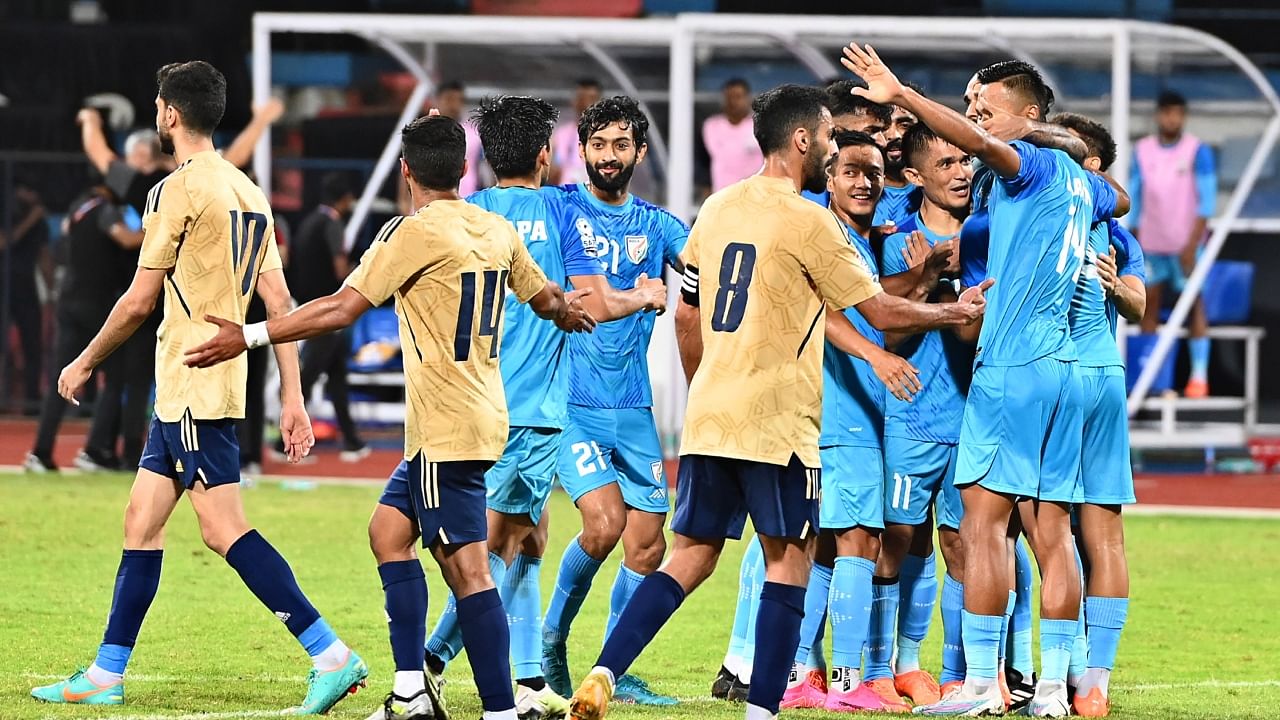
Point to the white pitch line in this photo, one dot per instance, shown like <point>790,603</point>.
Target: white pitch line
<point>1203,684</point>
<point>190,716</point>
<point>1234,513</point>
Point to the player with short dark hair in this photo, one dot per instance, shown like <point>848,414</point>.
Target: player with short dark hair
<point>566,160</point>
<point>205,226</point>
<point>752,449</point>
<point>1112,280</point>
<point>921,439</point>
<point>611,460</point>
<point>535,376</point>
<point>1024,443</point>
<point>448,266</point>
<point>901,197</point>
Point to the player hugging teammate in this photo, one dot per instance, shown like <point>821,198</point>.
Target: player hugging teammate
<point>924,303</point>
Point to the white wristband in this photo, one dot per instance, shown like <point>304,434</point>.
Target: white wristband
<point>256,336</point>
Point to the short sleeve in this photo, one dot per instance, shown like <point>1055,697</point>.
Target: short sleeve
<point>1036,167</point>
<point>167,217</point>
<point>676,236</point>
<point>833,265</point>
<point>271,258</point>
<point>1104,197</point>
<point>975,238</point>
<point>575,234</point>
<point>387,264</point>
<point>333,237</point>
<point>108,215</point>
<point>1134,262</point>
<point>1206,181</point>
<point>120,179</point>
<point>891,260</point>
<point>526,278</point>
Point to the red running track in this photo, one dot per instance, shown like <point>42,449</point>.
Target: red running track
<point>1199,489</point>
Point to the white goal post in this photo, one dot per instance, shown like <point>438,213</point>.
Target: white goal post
<point>813,42</point>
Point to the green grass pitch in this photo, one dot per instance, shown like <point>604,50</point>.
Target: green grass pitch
<point>1203,639</point>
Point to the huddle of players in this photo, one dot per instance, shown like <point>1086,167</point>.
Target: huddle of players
<point>878,586</point>
<point>746,451</point>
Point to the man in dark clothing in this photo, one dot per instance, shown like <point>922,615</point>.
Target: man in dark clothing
<point>30,236</point>
<point>318,264</point>
<point>98,230</point>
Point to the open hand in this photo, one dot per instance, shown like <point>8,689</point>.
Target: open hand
<point>228,343</point>
<point>899,376</point>
<point>882,85</point>
<point>269,111</point>
<point>574,317</point>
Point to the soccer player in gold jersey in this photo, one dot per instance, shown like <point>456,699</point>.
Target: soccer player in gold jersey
<point>209,243</point>
<point>448,266</point>
<point>775,263</point>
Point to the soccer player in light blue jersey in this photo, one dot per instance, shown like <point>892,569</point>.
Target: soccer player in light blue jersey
<point>1020,435</point>
<point>901,197</point>
<point>921,439</point>
<point>515,132</point>
<point>611,461</point>
<point>1112,281</point>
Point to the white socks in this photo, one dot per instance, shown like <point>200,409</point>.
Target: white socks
<point>755,712</point>
<point>1095,678</point>
<point>500,714</point>
<point>409,683</point>
<point>101,677</point>
<point>331,657</point>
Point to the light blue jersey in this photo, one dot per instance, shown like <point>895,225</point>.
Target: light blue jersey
<point>532,357</point>
<point>943,360</point>
<point>609,368</point>
<point>852,395</point>
<point>1129,261</point>
<point>1040,222</point>
<point>897,204</point>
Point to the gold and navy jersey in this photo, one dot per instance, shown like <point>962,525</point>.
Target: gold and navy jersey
<point>767,262</point>
<point>210,228</point>
<point>449,267</point>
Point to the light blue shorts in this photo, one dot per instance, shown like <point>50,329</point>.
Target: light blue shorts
<point>1105,468</point>
<point>852,488</point>
<point>1022,430</point>
<point>602,446</point>
<point>915,471</point>
<point>1166,270</point>
<point>520,482</point>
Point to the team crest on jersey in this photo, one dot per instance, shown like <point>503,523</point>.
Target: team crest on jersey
<point>637,247</point>
<point>587,235</point>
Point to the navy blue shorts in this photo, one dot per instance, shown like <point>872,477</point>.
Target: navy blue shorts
<point>444,500</point>
<point>714,496</point>
<point>191,450</point>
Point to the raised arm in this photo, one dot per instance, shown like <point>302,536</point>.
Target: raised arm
<point>240,151</point>
<point>883,87</point>
<point>93,140</point>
